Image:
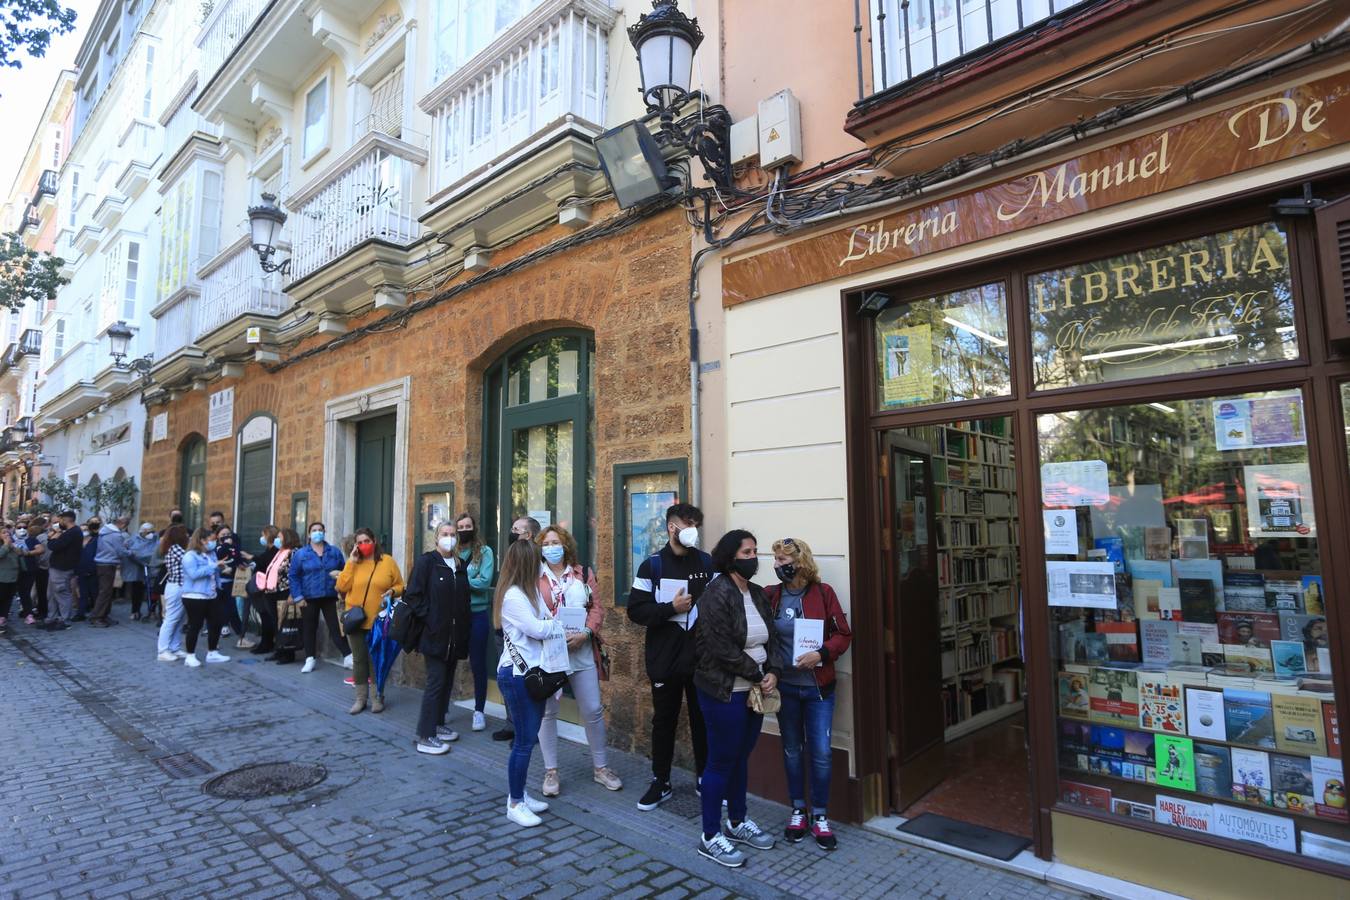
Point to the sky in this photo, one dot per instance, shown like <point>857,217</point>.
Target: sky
<point>24,92</point>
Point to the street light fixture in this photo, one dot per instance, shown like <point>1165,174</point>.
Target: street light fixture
<point>119,341</point>
<point>264,224</point>
<point>665,40</point>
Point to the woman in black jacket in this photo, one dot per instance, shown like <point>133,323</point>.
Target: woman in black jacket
<point>733,654</point>
<point>439,595</point>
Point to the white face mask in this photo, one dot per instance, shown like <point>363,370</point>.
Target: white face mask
<point>447,543</point>
<point>688,536</point>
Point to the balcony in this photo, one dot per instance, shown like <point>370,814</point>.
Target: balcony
<point>224,30</point>
<point>31,219</point>
<point>181,127</point>
<point>69,388</point>
<point>28,344</point>
<point>539,74</point>
<point>365,196</point>
<point>234,291</point>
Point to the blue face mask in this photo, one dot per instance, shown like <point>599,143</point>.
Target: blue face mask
<point>553,554</point>
<point>210,545</point>
<point>316,537</point>
<point>277,543</point>
<point>262,540</point>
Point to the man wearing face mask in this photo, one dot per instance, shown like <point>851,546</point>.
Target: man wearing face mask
<point>663,600</point>
<point>108,558</point>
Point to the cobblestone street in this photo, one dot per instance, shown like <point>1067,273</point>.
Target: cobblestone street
<point>102,801</point>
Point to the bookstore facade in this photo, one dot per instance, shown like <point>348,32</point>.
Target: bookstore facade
<point>1097,478</point>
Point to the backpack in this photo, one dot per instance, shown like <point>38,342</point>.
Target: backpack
<point>654,566</point>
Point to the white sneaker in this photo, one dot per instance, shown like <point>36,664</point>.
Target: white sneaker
<point>225,632</point>
<point>347,661</point>
<point>180,654</point>
<point>166,656</point>
<point>192,662</point>
<point>521,815</point>
<point>536,806</point>
<point>479,721</point>
<point>213,657</point>
<point>308,666</point>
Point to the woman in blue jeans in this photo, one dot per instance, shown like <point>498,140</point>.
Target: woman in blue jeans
<point>733,652</point>
<point>807,684</point>
<point>525,624</point>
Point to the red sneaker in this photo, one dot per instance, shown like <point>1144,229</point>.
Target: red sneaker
<point>825,839</point>
<point>796,826</point>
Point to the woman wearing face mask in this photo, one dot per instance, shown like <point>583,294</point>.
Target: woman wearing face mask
<point>171,549</point>
<point>227,551</point>
<point>275,584</point>
<point>313,577</point>
<point>86,572</point>
<point>136,566</point>
<point>9,574</point>
<point>733,652</point>
<point>27,568</point>
<point>566,585</point>
<point>369,578</point>
<point>807,683</point>
<point>439,595</point>
<point>201,576</point>
<point>478,561</point>
<point>269,544</point>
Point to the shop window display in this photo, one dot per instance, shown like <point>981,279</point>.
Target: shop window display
<point>1189,628</point>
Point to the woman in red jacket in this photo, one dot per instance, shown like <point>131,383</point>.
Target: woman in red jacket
<point>807,682</point>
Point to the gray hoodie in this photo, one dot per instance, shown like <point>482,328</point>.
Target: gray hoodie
<point>112,546</point>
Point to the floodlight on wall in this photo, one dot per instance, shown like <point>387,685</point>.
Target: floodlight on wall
<point>632,163</point>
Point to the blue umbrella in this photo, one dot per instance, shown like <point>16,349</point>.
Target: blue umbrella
<point>383,648</point>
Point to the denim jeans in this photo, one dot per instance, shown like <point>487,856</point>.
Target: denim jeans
<point>732,731</point>
<point>171,628</point>
<point>480,642</point>
<point>804,723</point>
<point>526,713</point>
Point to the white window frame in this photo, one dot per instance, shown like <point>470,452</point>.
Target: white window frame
<point>148,100</point>
<point>463,51</point>
<point>308,153</point>
<point>131,281</point>
<point>58,339</point>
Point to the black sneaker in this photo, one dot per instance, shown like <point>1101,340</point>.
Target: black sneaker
<point>78,617</point>
<point>825,839</point>
<point>796,826</point>
<point>658,793</point>
<point>504,734</point>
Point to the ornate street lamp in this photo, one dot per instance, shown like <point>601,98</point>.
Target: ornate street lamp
<point>665,40</point>
<point>119,341</point>
<point>264,224</point>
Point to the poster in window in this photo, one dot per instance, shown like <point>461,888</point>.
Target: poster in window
<point>907,365</point>
<point>647,524</point>
<point>434,512</point>
<point>1244,424</point>
<point>1279,501</point>
<point>1081,482</point>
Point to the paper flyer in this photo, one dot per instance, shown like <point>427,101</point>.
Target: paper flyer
<point>907,365</point>
<point>1279,501</point>
<point>1079,483</point>
<point>1061,531</point>
<point>1081,584</point>
<point>1242,424</point>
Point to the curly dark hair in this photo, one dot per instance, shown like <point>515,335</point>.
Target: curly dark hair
<point>727,547</point>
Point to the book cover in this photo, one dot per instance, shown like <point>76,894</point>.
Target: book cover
<point>1298,724</point>
<point>1074,736</point>
<point>1174,758</point>
<point>1085,795</point>
<point>1122,641</point>
<point>1108,741</point>
<point>1152,570</point>
<point>1332,729</point>
<point>1113,696</point>
<point>1254,827</point>
<point>1284,591</point>
<point>1302,627</point>
<point>1313,604</point>
<point>1210,570</point>
<point>1205,714</point>
<point>1288,657</point>
<point>1291,783</point>
<point>1125,598</point>
<point>1328,789</point>
<point>1146,597</point>
<point>1249,718</point>
<point>1115,551</point>
<point>1073,695</point>
<point>1182,813</point>
<point>1247,660</point>
<point>1186,649</point>
<point>1244,591</point>
<point>1158,544</point>
<point>1131,810</point>
<point>1248,629</point>
<point>1197,600</point>
<point>1251,776</point>
<point>1161,705</point>
<point>1139,747</point>
<point>1155,640</point>
<point>1169,604</point>
<point>1213,771</point>
<point>1192,538</point>
<point>1211,654</point>
<point>1320,846</point>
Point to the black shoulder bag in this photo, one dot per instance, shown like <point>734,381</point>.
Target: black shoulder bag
<point>540,685</point>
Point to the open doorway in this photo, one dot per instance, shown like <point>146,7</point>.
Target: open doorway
<point>955,674</point>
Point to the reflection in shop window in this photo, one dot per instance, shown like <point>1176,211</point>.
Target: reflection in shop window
<point>1211,302</point>
<point>1189,627</point>
<point>947,347</point>
<point>545,371</point>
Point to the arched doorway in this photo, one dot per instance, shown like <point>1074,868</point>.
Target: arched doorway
<point>192,481</point>
<point>538,459</point>
<point>254,499</point>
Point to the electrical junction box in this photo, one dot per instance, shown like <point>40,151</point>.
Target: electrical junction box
<point>780,130</point>
<point>744,140</point>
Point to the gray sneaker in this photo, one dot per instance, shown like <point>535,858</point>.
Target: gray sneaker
<point>720,851</point>
<point>747,833</point>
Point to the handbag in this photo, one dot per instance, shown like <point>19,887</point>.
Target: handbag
<point>764,701</point>
<point>405,627</point>
<point>353,619</point>
<point>540,685</point>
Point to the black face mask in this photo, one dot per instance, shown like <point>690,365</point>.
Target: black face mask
<point>746,568</point>
<point>512,538</point>
<point>786,573</point>
<point>95,528</point>
<point>466,536</point>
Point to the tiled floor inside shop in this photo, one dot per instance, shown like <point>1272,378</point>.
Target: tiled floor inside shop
<point>987,780</point>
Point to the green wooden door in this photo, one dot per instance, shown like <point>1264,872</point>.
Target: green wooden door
<point>375,478</point>
<point>255,493</point>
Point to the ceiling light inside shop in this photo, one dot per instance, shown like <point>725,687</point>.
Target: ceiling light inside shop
<point>984,335</point>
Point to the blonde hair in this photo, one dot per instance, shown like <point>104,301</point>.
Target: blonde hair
<point>800,553</point>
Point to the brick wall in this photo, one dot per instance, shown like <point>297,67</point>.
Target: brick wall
<point>629,289</point>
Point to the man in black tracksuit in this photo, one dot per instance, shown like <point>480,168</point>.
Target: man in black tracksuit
<point>670,641</point>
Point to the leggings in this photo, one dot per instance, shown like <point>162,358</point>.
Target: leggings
<point>26,593</point>
<point>480,641</point>
<point>201,609</point>
<point>586,688</point>
<point>6,598</point>
<point>135,590</point>
<point>265,605</point>
<point>309,618</point>
<point>41,578</point>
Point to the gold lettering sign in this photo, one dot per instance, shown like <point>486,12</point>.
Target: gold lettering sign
<point>1216,301</point>
<point>1303,119</point>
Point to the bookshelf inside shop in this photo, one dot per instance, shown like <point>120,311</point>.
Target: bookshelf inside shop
<point>976,518</point>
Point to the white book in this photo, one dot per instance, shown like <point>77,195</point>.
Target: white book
<point>573,619</point>
<point>808,636</point>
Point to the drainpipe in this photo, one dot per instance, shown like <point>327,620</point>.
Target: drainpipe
<point>695,410</point>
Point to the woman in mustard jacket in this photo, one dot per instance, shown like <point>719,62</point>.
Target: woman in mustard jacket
<point>366,580</point>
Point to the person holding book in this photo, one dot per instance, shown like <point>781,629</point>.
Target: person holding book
<point>811,632</point>
<point>568,589</point>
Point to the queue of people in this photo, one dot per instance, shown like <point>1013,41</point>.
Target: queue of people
<point>718,646</point>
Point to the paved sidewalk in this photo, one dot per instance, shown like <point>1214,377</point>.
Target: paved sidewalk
<point>87,811</point>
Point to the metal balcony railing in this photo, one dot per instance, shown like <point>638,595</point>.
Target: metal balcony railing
<point>225,28</point>
<point>234,286</point>
<point>48,183</point>
<point>911,37</point>
<point>31,219</point>
<point>176,327</point>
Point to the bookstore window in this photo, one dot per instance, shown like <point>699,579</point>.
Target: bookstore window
<point>1183,575</point>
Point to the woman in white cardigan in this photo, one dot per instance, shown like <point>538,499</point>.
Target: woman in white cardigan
<point>525,625</point>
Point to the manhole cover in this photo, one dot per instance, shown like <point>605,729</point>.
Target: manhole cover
<point>265,780</point>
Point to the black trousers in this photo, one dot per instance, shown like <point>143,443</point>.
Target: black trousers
<point>309,621</point>
<point>265,605</point>
<point>26,581</point>
<point>436,697</point>
<point>199,610</point>
<point>6,598</point>
<point>666,697</point>
<point>40,579</point>
<point>135,591</point>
